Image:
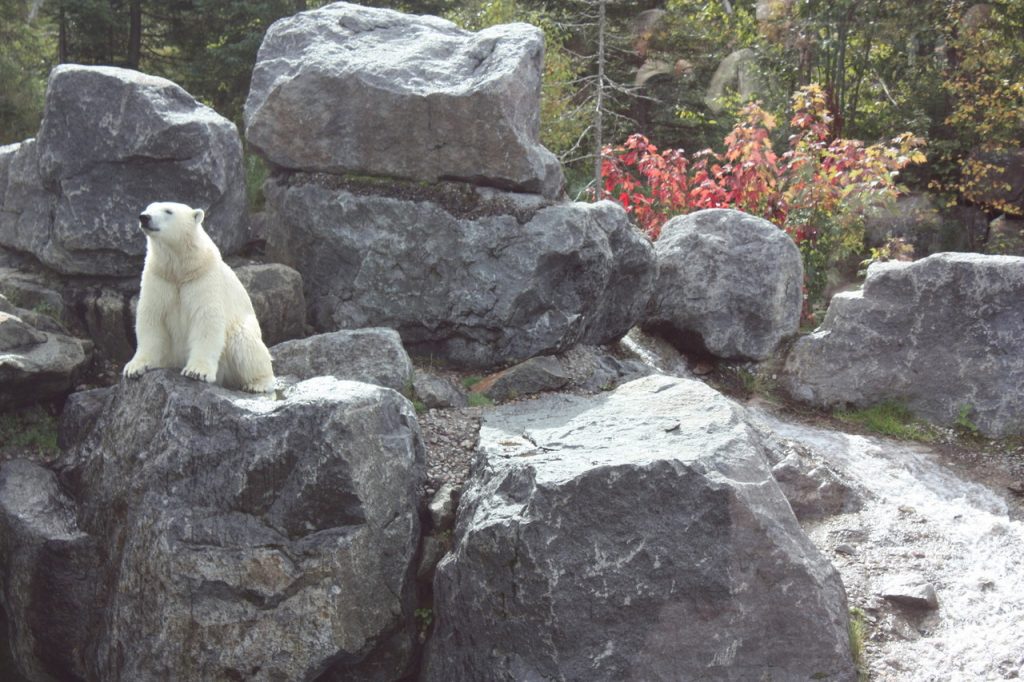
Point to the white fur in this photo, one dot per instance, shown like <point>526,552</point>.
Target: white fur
<point>193,312</point>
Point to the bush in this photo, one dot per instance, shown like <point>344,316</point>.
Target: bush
<point>817,190</point>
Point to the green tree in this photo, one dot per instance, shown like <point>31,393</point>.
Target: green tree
<point>24,63</point>
<point>985,81</point>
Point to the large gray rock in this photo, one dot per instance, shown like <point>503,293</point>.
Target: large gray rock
<point>729,283</point>
<point>26,209</point>
<point>113,140</point>
<point>942,335</point>
<point>46,562</point>
<point>36,362</point>
<point>480,278</point>
<point>374,356</point>
<point>352,89</point>
<point>634,535</point>
<point>203,534</point>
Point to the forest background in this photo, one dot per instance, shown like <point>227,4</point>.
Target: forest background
<point>934,87</point>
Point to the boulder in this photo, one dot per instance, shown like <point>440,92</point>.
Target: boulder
<point>943,335</point>
<point>597,368</point>
<point>374,356</point>
<point>277,298</point>
<point>437,391</point>
<point>813,488</point>
<point>103,128</point>
<point>352,89</point>
<point>26,208</point>
<point>46,563</point>
<point>36,363</point>
<point>637,534</point>
<point>200,533</point>
<point>32,291</point>
<point>477,278</point>
<point>81,411</point>
<point>909,590</point>
<point>544,373</point>
<point>106,313</point>
<point>729,284</point>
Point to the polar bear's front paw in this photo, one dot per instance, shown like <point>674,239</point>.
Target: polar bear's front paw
<point>199,374</point>
<point>135,368</point>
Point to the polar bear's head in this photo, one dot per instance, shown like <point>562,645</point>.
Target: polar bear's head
<point>170,222</point>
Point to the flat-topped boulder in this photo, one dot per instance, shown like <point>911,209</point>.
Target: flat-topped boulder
<point>352,89</point>
<point>373,356</point>
<point>39,361</point>
<point>111,141</point>
<point>943,335</point>
<point>199,533</point>
<point>638,534</point>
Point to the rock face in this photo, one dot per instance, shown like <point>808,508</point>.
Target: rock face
<point>374,356</point>
<point>351,89</point>
<point>486,279</point>
<point>943,335</point>
<point>199,533</point>
<point>106,127</point>
<point>37,361</point>
<point>729,284</point>
<point>635,535</point>
<point>26,209</point>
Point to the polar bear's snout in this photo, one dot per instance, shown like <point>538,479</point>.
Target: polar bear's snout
<point>145,222</point>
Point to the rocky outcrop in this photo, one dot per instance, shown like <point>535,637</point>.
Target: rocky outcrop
<point>374,356</point>
<point>199,533</point>
<point>478,278</point>
<point>106,127</point>
<point>633,535</point>
<point>388,196</point>
<point>351,89</point>
<point>38,359</point>
<point>943,335</point>
<point>729,284</point>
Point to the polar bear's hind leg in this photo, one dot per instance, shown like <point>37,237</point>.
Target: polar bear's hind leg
<point>247,361</point>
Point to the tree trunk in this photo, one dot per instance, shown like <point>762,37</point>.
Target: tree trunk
<point>62,36</point>
<point>599,101</point>
<point>134,33</point>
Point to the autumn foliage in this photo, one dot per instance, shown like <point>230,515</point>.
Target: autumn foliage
<point>816,190</point>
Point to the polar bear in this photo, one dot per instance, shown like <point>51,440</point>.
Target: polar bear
<point>193,312</point>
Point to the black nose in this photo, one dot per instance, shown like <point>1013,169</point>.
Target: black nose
<point>144,219</point>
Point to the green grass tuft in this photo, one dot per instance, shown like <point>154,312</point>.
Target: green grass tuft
<point>857,642</point>
<point>471,380</point>
<point>32,428</point>
<point>479,400</point>
<point>889,418</point>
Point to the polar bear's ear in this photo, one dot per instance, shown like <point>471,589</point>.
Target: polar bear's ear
<point>198,215</point>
